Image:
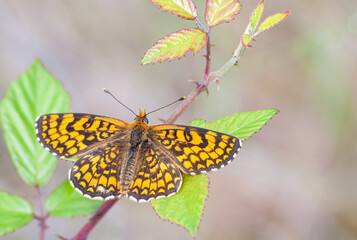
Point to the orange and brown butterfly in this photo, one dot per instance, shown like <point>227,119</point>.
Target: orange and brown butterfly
<point>143,162</point>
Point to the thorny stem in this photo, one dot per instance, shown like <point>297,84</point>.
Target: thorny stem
<point>199,24</point>
<point>43,216</point>
<point>98,215</point>
<point>238,53</point>
<point>207,78</point>
<point>200,86</point>
<point>83,233</point>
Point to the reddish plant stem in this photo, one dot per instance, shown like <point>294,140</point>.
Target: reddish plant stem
<point>43,216</point>
<point>98,215</point>
<point>83,233</point>
<point>200,86</point>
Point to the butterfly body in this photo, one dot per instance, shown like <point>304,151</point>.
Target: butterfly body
<point>137,160</point>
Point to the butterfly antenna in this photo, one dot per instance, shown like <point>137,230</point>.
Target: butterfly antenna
<point>181,98</point>
<point>107,91</point>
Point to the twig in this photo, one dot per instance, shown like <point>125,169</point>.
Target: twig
<point>43,216</point>
<point>208,76</point>
<point>238,53</point>
<point>201,86</point>
<point>98,215</point>
<point>206,79</point>
<point>83,233</point>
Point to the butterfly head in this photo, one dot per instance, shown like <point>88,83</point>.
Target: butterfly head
<point>142,117</point>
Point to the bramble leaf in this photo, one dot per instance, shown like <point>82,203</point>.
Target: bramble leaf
<point>15,212</point>
<point>176,45</point>
<point>182,8</point>
<point>241,125</point>
<point>64,201</point>
<point>35,92</point>
<point>219,11</point>
<point>273,20</point>
<point>246,39</point>
<point>256,15</point>
<point>185,208</point>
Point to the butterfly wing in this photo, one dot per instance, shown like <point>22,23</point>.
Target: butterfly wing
<point>197,150</point>
<point>156,175</point>
<point>73,134</point>
<point>97,173</point>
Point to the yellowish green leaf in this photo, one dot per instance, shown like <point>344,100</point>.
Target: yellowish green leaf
<point>246,39</point>
<point>273,20</point>
<point>15,212</point>
<point>240,125</point>
<point>64,201</point>
<point>182,8</point>
<point>256,15</point>
<point>185,208</point>
<point>219,11</point>
<point>176,45</point>
<point>36,92</point>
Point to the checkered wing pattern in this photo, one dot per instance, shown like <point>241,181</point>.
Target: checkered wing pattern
<point>196,150</point>
<point>71,135</point>
<point>156,175</point>
<point>97,173</point>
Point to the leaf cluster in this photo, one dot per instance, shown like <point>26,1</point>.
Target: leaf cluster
<point>36,92</point>
<point>175,45</point>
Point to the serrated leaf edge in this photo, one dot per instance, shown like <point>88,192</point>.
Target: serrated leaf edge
<point>250,113</point>
<point>158,43</point>
<point>253,28</point>
<point>194,16</point>
<point>287,13</point>
<point>201,215</point>
<point>224,21</point>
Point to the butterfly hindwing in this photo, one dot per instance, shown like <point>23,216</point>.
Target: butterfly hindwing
<point>197,150</point>
<point>156,175</point>
<point>96,174</point>
<point>72,134</point>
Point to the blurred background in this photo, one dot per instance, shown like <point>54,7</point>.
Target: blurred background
<point>294,179</point>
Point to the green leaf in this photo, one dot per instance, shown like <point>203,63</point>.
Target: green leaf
<point>64,201</point>
<point>273,20</point>
<point>220,11</point>
<point>182,8</point>
<point>176,45</point>
<point>246,39</point>
<point>241,125</point>
<point>35,92</point>
<point>198,123</point>
<point>185,208</point>
<point>15,212</point>
<point>256,15</point>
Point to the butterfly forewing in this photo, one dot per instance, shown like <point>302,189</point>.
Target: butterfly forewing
<point>73,134</point>
<point>197,150</point>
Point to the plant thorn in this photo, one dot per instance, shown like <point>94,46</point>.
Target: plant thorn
<point>195,82</point>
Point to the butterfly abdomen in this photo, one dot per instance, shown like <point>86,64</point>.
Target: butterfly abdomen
<point>138,136</point>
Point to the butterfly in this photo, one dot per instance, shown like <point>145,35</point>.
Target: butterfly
<point>142,162</point>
